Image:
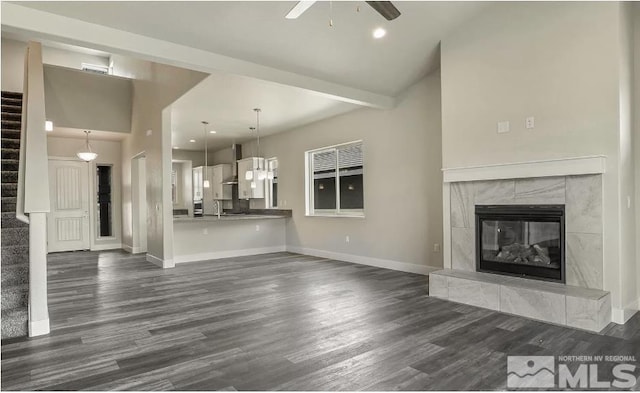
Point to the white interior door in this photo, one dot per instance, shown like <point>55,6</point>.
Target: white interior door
<point>68,221</point>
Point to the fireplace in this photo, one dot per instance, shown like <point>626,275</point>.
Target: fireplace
<point>521,240</point>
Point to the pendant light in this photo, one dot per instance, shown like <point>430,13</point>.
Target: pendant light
<point>260,173</point>
<point>248,175</point>
<point>86,154</point>
<point>205,182</point>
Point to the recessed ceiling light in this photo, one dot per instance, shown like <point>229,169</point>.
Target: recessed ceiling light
<point>192,140</point>
<point>212,132</point>
<point>379,33</point>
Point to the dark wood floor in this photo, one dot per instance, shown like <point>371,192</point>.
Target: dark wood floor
<point>272,322</point>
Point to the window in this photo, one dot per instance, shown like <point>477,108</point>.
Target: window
<point>103,180</point>
<point>272,183</point>
<point>335,180</point>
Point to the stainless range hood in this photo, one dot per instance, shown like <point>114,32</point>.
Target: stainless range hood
<point>236,150</point>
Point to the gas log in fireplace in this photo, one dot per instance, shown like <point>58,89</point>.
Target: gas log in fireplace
<point>521,240</point>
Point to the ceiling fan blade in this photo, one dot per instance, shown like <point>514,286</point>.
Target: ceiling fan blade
<point>385,8</point>
<point>299,9</point>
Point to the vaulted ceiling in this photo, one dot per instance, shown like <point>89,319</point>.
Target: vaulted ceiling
<point>298,71</point>
<point>257,31</point>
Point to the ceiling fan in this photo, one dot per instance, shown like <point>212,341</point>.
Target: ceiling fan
<point>384,8</point>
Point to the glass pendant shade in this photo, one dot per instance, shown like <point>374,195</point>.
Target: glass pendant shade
<point>253,184</point>
<point>262,174</point>
<point>248,175</point>
<point>86,154</point>
<point>206,184</point>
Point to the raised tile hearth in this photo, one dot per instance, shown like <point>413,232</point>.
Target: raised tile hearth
<point>582,308</point>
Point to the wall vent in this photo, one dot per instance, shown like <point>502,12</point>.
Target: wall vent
<point>97,69</point>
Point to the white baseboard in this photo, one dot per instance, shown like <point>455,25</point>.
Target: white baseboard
<point>131,249</point>
<point>109,246</point>
<point>39,328</point>
<point>362,260</point>
<point>622,315</point>
<point>163,263</point>
<point>227,254</point>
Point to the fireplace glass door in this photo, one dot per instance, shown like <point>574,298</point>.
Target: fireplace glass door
<point>521,240</point>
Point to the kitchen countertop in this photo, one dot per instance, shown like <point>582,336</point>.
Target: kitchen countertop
<point>228,217</point>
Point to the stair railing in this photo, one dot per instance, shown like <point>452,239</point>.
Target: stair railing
<point>33,186</point>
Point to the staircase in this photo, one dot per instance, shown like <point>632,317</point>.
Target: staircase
<point>15,234</point>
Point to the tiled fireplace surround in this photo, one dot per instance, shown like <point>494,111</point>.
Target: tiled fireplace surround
<point>581,302</point>
<point>582,197</point>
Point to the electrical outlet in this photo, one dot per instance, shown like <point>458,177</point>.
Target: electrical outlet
<point>628,202</point>
<point>149,132</point>
<point>529,122</point>
<point>347,239</point>
<point>205,231</point>
<point>436,247</point>
<point>503,126</point>
<point>257,228</point>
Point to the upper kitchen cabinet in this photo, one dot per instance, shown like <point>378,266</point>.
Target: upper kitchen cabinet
<point>254,188</point>
<point>221,191</point>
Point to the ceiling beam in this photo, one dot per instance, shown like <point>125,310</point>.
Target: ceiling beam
<point>36,24</point>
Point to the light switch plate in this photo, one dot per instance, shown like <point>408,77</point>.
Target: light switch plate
<point>503,126</point>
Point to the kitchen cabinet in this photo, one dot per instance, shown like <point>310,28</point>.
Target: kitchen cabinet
<point>245,191</point>
<point>221,192</point>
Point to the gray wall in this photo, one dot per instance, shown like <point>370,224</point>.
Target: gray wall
<point>155,86</point>
<point>565,64</point>
<point>13,61</point>
<point>79,99</point>
<point>402,180</point>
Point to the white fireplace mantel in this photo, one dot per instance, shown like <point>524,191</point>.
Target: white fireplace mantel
<point>589,165</point>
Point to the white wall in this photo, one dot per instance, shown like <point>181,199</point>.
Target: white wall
<point>155,86</point>
<point>109,153</point>
<point>13,61</point>
<point>78,99</point>
<point>402,182</point>
<point>562,63</point>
